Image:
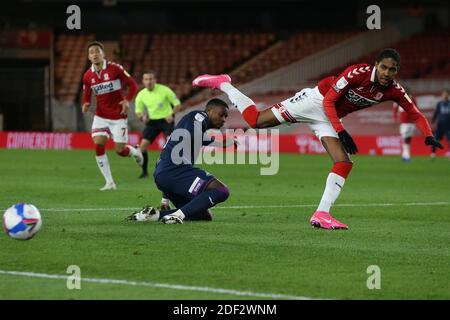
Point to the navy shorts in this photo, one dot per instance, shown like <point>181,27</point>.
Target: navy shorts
<point>182,184</point>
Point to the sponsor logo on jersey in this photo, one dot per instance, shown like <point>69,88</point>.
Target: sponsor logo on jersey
<point>341,83</point>
<point>199,117</point>
<point>359,100</point>
<point>378,96</point>
<point>106,87</point>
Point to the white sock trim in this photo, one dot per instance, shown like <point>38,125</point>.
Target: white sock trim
<point>333,188</point>
<point>237,98</point>
<point>103,165</point>
<point>226,86</point>
<point>406,151</point>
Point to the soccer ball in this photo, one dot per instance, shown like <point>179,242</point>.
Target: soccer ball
<point>22,221</point>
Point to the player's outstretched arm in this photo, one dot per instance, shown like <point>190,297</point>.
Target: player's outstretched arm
<point>128,80</point>
<point>329,106</point>
<point>419,119</point>
<point>87,93</point>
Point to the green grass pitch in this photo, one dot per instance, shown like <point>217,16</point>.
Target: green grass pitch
<point>260,241</point>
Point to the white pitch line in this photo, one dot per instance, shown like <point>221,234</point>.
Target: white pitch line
<point>441,203</point>
<point>160,285</point>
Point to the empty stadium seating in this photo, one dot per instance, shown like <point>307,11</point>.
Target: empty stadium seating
<point>426,55</point>
<point>70,64</point>
<point>178,57</point>
<point>288,51</point>
<point>280,54</point>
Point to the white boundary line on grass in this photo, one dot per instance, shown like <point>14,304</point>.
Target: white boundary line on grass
<point>412,204</point>
<point>160,285</point>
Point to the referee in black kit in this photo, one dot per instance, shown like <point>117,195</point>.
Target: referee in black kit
<point>156,105</point>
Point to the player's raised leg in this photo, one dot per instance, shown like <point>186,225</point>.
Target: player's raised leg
<point>245,105</point>
<point>125,150</point>
<point>334,184</point>
<point>215,192</point>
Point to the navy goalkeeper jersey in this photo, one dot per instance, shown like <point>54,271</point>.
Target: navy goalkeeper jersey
<point>184,144</point>
<point>442,113</point>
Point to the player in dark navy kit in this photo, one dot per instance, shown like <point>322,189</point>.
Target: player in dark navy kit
<point>192,190</point>
<point>442,116</point>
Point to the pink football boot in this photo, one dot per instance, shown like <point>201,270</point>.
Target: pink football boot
<point>322,219</point>
<point>211,81</point>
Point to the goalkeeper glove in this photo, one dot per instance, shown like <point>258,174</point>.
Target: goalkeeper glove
<point>431,141</point>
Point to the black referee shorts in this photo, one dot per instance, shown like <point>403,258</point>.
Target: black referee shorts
<point>154,127</point>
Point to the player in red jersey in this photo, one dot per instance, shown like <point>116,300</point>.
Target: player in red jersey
<point>407,127</point>
<point>106,80</point>
<point>360,86</point>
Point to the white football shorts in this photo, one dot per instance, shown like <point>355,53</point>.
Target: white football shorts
<point>407,130</point>
<point>306,107</point>
<point>118,129</point>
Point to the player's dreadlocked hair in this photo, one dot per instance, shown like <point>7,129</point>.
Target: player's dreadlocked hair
<point>216,102</point>
<point>389,53</point>
<point>95,43</point>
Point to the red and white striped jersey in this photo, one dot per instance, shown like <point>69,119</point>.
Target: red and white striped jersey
<point>107,85</point>
<point>357,88</point>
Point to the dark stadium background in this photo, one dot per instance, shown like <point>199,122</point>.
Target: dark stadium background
<point>42,62</point>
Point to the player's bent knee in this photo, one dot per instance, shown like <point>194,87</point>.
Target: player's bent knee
<point>251,115</point>
<point>99,149</point>
<point>225,192</point>
<point>253,123</point>
<point>220,194</point>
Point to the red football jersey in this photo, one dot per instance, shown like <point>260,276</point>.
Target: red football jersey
<point>107,85</point>
<point>404,116</point>
<point>356,88</point>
